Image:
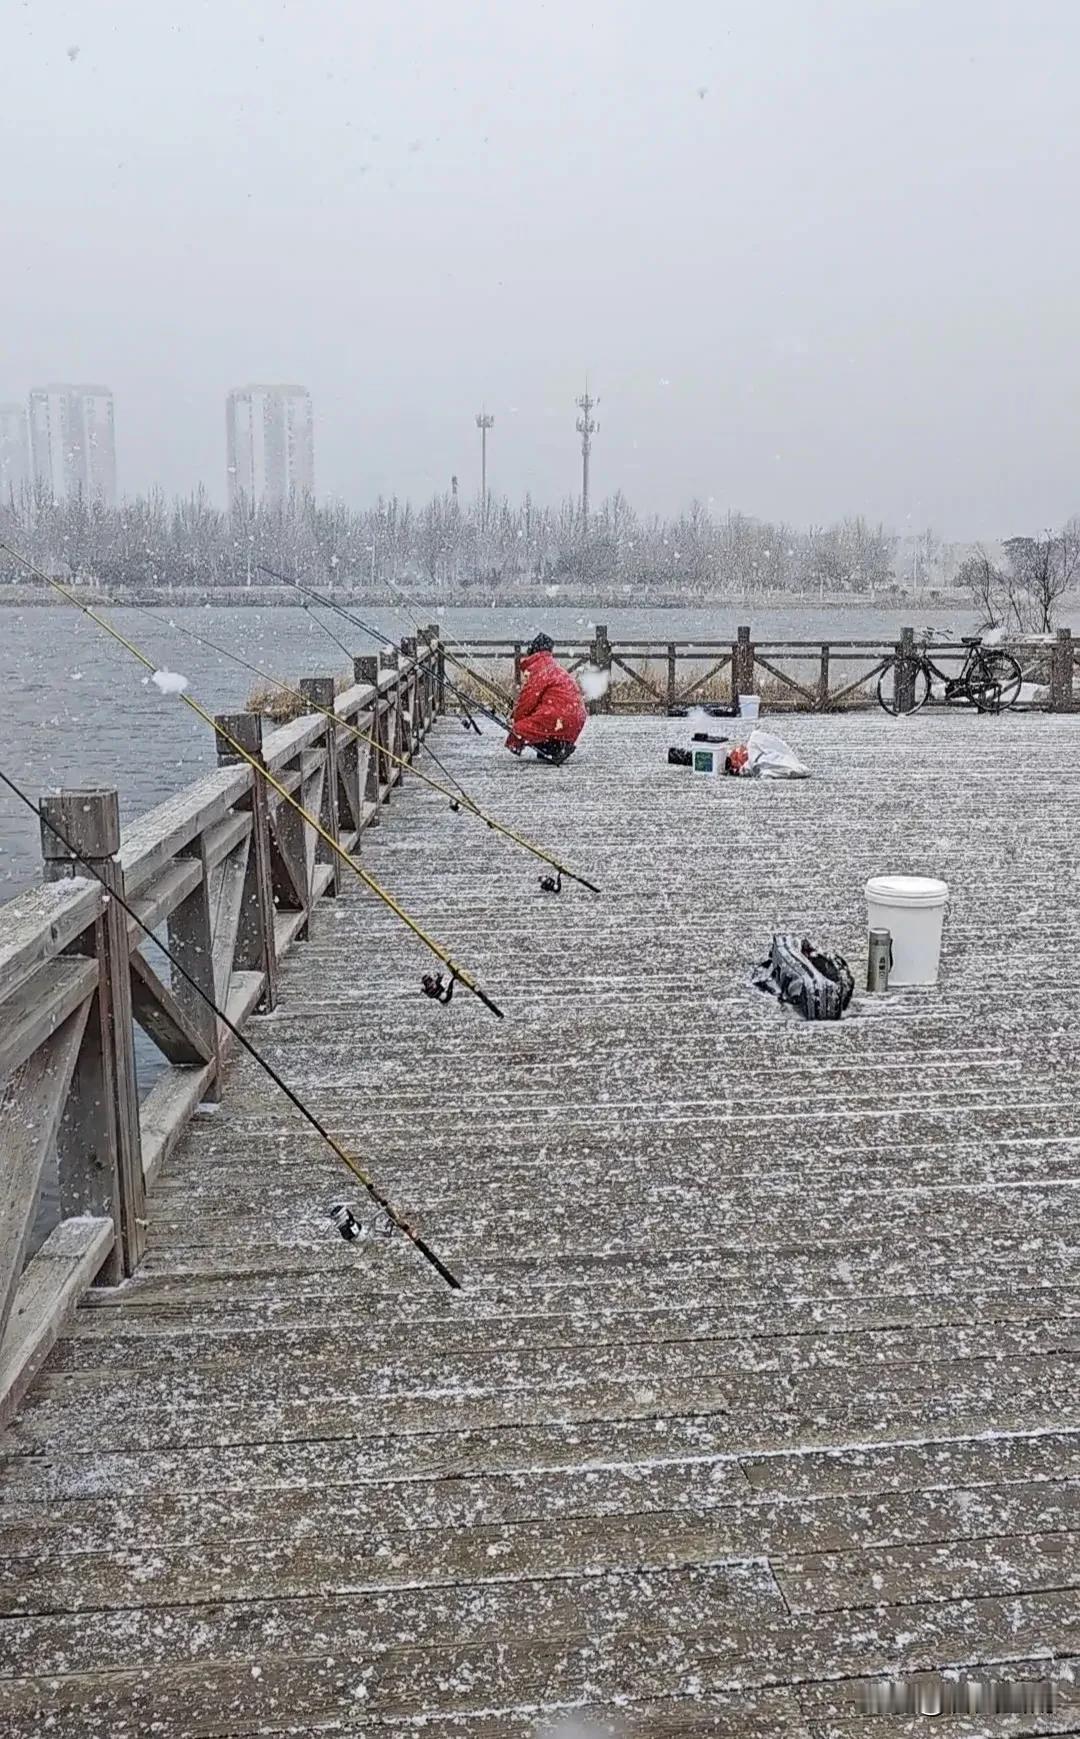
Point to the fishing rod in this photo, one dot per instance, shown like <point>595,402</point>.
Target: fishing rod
<point>340,1215</point>
<point>485,681</point>
<point>319,623</point>
<point>457,798</point>
<point>458,974</point>
<point>374,633</point>
<point>327,604</point>
<point>361,735</point>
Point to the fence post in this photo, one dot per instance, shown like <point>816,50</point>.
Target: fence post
<point>600,659</point>
<point>190,928</point>
<point>905,671</point>
<point>1061,672</point>
<point>410,710</point>
<point>672,686</point>
<point>99,1146</point>
<point>440,677</point>
<point>432,672</point>
<point>742,665</point>
<point>823,681</point>
<point>389,723</point>
<point>256,944</point>
<point>320,691</point>
<point>366,671</point>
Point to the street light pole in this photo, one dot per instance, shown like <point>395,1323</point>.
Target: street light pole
<point>484,422</point>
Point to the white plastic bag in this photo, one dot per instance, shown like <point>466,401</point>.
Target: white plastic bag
<point>769,757</point>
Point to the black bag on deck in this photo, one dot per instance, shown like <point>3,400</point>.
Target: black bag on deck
<point>818,986</point>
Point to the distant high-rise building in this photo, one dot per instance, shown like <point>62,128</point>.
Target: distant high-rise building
<point>269,443</point>
<point>14,450</point>
<point>73,442</point>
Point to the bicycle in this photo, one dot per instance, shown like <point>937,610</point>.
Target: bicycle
<point>989,679</point>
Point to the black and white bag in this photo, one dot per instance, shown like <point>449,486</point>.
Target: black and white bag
<point>818,986</point>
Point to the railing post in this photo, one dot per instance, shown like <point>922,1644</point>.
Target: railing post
<point>905,671</point>
<point>434,661</point>
<point>600,659</point>
<point>190,929</point>
<point>390,720</point>
<point>672,685</point>
<point>256,946</point>
<point>411,707</point>
<point>517,662</point>
<point>320,691</point>
<point>742,665</point>
<point>440,677</point>
<point>1061,672</point>
<point>391,731</point>
<point>366,671</point>
<point>99,1146</point>
<point>823,681</point>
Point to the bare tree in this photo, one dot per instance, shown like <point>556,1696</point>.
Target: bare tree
<point>1043,571</point>
<point>983,582</point>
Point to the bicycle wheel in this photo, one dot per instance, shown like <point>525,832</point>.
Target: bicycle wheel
<point>890,688</point>
<point>994,682</point>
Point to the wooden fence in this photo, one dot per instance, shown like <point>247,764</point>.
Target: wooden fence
<point>827,681</point>
<point>231,873</point>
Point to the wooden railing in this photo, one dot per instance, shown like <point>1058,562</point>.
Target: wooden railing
<point>231,874</point>
<point>673,673</point>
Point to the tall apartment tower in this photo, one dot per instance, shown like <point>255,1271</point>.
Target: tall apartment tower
<point>73,442</point>
<point>269,444</point>
<point>14,450</point>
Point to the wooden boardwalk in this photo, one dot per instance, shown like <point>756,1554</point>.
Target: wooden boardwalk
<point>764,1382</point>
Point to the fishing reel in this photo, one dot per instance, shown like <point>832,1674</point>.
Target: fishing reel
<point>455,806</point>
<point>352,1228</point>
<point>551,884</point>
<point>434,985</point>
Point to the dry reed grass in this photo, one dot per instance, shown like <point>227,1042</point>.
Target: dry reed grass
<point>281,705</point>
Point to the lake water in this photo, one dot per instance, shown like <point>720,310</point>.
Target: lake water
<point>75,708</point>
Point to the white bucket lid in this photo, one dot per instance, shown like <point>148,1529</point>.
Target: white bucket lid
<point>906,891</point>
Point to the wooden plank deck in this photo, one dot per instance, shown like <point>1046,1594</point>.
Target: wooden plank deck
<point>764,1381</point>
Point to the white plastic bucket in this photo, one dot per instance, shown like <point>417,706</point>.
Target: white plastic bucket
<point>912,909</point>
<point>749,706</point>
<point>704,758</point>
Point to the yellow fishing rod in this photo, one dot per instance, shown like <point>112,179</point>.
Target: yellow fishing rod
<point>377,634</point>
<point>458,974</point>
<point>458,798</point>
<point>341,1217</point>
<point>412,610</point>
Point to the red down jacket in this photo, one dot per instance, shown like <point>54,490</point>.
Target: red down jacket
<point>550,707</point>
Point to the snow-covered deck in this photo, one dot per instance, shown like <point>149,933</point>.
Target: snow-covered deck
<point>764,1380</point>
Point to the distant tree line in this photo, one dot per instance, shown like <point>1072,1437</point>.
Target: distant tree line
<point>447,546</point>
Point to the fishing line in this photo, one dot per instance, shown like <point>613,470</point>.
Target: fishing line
<point>362,735</point>
<point>309,1116</point>
<point>468,706</point>
<point>412,609</point>
<point>319,623</point>
<point>462,796</point>
<point>275,784</point>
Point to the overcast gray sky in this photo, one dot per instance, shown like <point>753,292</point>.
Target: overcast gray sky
<point>817,256</point>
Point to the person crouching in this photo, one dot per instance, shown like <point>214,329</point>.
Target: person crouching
<point>550,713</point>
